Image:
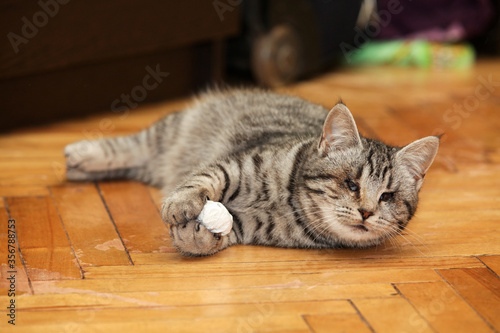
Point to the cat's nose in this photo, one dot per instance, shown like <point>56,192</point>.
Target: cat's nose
<point>365,214</point>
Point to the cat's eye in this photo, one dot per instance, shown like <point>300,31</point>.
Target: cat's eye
<point>352,185</point>
<point>387,196</point>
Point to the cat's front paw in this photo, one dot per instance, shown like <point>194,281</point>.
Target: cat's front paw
<point>193,239</point>
<point>182,207</point>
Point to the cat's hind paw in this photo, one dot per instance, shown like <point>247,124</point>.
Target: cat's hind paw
<point>85,156</point>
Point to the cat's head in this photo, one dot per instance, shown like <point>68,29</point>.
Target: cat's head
<point>357,191</point>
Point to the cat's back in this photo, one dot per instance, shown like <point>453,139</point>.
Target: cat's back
<point>247,113</point>
<point>229,121</point>
<point>222,123</point>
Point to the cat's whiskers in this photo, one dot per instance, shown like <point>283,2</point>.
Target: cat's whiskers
<point>410,233</point>
<point>389,234</point>
<point>399,232</point>
<point>320,232</point>
<point>394,243</point>
<point>311,212</point>
<point>390,229</point>
<point>414,233</point>
<point>419,241</point>
<point>318,224</point>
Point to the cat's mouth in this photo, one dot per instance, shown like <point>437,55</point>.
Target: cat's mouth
<point>360,227</point>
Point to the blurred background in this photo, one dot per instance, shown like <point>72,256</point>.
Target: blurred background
<point>62,59</point>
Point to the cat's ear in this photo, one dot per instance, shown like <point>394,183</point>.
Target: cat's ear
<point>419,155</point>
<point>339,130</point>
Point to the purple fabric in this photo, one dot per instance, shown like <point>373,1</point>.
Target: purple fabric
<point>436,20</point>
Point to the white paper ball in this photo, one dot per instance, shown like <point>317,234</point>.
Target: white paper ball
<point>216,218</point>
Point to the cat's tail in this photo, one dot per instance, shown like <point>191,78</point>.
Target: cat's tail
<point>119,157</point>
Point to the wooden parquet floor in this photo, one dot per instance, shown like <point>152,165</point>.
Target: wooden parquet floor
<point>97,257</point>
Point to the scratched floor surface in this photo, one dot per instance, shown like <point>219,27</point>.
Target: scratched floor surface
<point>97,257</point>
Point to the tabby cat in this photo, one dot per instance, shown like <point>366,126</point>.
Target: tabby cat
<point>290,173</point>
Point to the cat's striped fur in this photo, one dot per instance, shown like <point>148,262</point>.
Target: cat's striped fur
<point>289,177</point>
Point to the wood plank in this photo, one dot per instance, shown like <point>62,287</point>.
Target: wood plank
<point>412,243</point>
<point>493,263</point>
<point>430,120</point>
<point>41,177</point>
<point>33,165</point>
<point>184,267</point>
<point>136,217</point>
<point>265,330</point>
<point>480,288</point>
<point>472,200</point>
<point>429,244</point>
<point>442,307</point>
<point>290,293</point>
<point>392,130</point>
<point>15,191</point>
<point>494,157</point>
<point>326,323</point>
<point>89,227</point>
<point>451,244</point>
<point>45,247</point>
<point>157,196</point>
<point>489,112</point>
<point>392,315</point>
<point>477,177</point>
<point>229,325</point>
<point>466,220</point>
<point>418,240</point>
<point>269,281</point>
<point>249,313</point>
<point>480,132</point>
<point>483,69</point>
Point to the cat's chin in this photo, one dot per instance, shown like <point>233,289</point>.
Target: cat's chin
<point>360,227</point>
<point>357,235</point>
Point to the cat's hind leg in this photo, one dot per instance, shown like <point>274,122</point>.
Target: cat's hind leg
<point>132,156</point>
<point>121,157</point>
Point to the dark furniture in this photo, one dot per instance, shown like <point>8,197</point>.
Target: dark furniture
<point>62,58</point>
